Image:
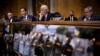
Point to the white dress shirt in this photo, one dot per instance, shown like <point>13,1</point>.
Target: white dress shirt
<point>71,18</point>
<point>87,19</point>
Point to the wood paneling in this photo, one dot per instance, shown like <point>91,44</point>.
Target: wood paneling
<point>87,24</point>
<point>21,3</point>
<point>16,5</point>
<point>64,6</point>
<point>13,6</point>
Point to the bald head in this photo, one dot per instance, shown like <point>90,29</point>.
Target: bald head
<point>9,15</point>
<point>44,9</point>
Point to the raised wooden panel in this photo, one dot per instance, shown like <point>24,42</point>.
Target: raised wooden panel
<point>89,24</point>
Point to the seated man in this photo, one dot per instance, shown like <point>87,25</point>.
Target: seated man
<point>44,14</point>
<point>88,15</point>
<point>71,16</point>
<point>11,18</point>
<point>25,16</point>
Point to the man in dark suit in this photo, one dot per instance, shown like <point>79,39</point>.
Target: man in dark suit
<point>88,15</point>
<point>25,16</point>
<point>44,14</point>
<point>71,16</point>
<point>11,18</point>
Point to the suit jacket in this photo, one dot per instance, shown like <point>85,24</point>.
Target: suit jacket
<point>5,28</point>
<point>93,18</point>
<point>49,16</point>
<point>68,19</point>
<point>30,17</point>
<point>14,19</point>
<point>27,27</point>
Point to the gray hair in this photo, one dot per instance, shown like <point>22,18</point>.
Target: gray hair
<point>90,8</point>
<point>45,7</point>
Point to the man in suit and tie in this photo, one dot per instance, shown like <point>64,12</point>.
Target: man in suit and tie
<point>88,15</point>
<point>11,18</point>
<point>25,16</point>
<point>44,14</point>
<point>71,16</point>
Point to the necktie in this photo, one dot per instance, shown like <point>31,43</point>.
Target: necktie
<point>43,17</point>
<point>24,18</point>
<point>87,19</point>
<point>71,18</point>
